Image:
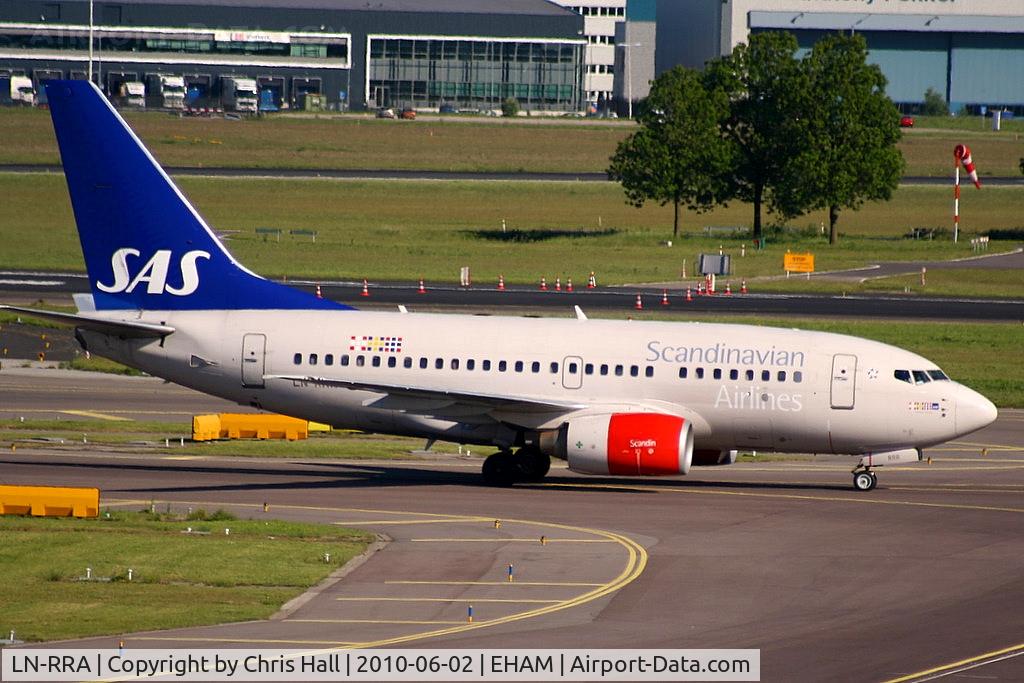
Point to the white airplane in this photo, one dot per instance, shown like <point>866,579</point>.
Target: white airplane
<point>610,397</point>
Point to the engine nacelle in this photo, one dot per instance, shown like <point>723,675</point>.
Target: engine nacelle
<point>627,444</point>
<point>703,457</point>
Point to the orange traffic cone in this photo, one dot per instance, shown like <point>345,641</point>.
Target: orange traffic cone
<point>743,286</point>
<point>501,283</point>
<point>568,285</point>
<point>728,288</point>
<point>591,281</point>
<point>558,284</point>
<point>689,297</point>
<point>422,289</point>
<point>319,294</point>
<point>664,297</point>
<point>639,304</point>
<point>366,289</point>
<point>543,284</point>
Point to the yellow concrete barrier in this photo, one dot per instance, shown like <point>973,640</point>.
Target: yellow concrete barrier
<point>49,501</point>
<point>319,427</point>
<point>205,427</point>
<point>250,426</point>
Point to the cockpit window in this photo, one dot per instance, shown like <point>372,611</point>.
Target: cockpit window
<point>938,375</point>
<point>903,376</point>
<point>921,377</point>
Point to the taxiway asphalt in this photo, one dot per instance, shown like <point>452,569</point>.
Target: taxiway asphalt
<point>829,583</point>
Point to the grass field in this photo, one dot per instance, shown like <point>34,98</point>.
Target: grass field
<point>407,229</point>
<point>178,580</point>
<point>967,282</point>
<point>448,144</point>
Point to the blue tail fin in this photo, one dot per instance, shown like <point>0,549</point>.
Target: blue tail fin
<point>145,246</point>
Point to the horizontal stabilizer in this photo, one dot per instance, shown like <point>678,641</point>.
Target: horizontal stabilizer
<point>117,328</point>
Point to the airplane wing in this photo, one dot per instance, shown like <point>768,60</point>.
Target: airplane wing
<point>438,402</point>
<point>119,328</point>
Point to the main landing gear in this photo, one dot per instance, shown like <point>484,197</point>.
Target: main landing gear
<point>864,479</point>
<point>505,468</point>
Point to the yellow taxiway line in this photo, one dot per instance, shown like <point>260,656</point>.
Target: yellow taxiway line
<point>963,664</point>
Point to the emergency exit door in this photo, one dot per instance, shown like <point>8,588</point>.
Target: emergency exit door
<point>844,381</point>
<point>254,348</point>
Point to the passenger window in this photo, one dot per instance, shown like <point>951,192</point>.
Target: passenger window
<point>312,359</point>
<point>297,359</point>
<point>376,361</point>
<point>734,374</point>
<point>407,362</point>
<point>439,363</point>
<point>535,366</point>
<point>329,359</point>
<point>700,373</point>
<point>360,361</point>
<point>423,363</point>
<point>554,368</point>
<point>618,371</point>
<point>588,368</point>
<point>766,375</point>
<point>604,369</point>
<point>487,366</point>
<point>392,361</point>
<point>717,373</point>
<point>781,376</point>
<point>750,375</point>
<point>682,373</point>
<point>921,377</point>
<point>502,366</point>
<point>573,368</point>
<point>634,371</point>
<point>344,360</point>
<point>649,371</point>
<point>455,363</point>
<point>519,366</point>
<point>470,364</point>
<point>798,376</point>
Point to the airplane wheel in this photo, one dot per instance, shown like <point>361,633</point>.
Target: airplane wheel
<point>865,481</point>
<point>533,465</point>
<point>499,469</point>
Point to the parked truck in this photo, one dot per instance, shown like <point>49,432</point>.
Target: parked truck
<point>238,94</point>
<point>132,94</point>
<point>22,91</point>
<point>166,92</point>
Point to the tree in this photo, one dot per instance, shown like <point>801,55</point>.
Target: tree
<point>767,94</point>
<point>854,129</point>
<point>510,106</point>
<point>677,154</point>
<point>934,104</point>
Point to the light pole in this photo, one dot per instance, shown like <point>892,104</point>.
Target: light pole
<point>90,39</point>
<point>629,76</point>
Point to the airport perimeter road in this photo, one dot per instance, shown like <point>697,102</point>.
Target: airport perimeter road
<point>27,287</point>
<point>830,584</point>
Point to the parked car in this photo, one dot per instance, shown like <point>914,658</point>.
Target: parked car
<point>385,113</point>
<point>409,113</point>
<point>448,109</point>
<point>906,122</point>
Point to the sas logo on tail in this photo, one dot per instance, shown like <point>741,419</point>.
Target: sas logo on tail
<point>153,273</point>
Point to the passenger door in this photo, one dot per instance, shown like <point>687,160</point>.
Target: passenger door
<point>844,381</point>
<point>254,348</point>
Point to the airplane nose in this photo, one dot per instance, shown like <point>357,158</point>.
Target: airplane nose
<point>974,411</point>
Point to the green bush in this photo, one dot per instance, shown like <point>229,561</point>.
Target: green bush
<point>934,104</point>
<point>510,106</point>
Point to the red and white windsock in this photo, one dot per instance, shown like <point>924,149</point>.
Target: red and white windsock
<point>962,153</point>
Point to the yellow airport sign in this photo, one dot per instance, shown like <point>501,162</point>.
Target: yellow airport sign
<point>798,263</point>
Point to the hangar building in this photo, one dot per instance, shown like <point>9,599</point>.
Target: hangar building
<point>970,51</point>
<point>355,53</point>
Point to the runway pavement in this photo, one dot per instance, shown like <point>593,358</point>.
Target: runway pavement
<point>829,584</point>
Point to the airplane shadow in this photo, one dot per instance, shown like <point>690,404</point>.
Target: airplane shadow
<point>311,475</point>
